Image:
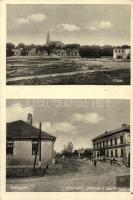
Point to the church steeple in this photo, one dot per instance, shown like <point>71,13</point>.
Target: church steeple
<point>48,39</point>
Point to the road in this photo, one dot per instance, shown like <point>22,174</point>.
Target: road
<point>87,178</point>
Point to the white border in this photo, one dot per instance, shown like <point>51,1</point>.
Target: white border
<point>56,92</point>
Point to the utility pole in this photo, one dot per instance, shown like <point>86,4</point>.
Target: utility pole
<point>40,149</point>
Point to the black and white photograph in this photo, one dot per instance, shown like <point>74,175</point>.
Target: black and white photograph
<point>68,145</point>
<point>68,44</point>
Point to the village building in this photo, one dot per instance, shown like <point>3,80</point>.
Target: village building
<point>42,53</point>
<point>22,143</point>
<point>58,52</point>
<point>81,152</point>
<point>85,153</point>
<point>17,52</point>
<point>113,144</point>
<point>39,53</point>
<point>32,51</point>
<point>74,52</point>
<point>121,53</point>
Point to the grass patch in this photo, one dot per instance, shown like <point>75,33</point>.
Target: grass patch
<point>114,77</point>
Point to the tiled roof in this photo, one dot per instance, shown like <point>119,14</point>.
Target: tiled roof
<point>22,130</point>
<point>16,50</point>
<point>124,127</point>
<point>33,50</point>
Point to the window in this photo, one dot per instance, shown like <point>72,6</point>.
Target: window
<point>111,153</point>
<point>116,154</point>
<point>107,154</point>
<point>115,141</point>
<point>34,147</point>
<point>100,144</point>
<point>122,152</point>
<point>106,142</point>
<point>9,148</point>
<point>121,139</point>
<point>103,144</point>
<point>116,50</point>
<point>111,143</point>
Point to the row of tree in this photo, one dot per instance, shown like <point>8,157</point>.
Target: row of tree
<point>89,51</point>
<point>70,152</point>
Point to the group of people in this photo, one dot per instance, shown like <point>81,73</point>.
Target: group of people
<point>111,160</point>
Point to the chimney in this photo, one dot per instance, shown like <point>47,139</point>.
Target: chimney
<point>29,120</point>
<point>124,125</point>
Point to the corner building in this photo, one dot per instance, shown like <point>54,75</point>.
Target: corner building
<point>113,144</point>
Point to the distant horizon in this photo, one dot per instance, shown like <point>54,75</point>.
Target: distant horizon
<point>69,43</point>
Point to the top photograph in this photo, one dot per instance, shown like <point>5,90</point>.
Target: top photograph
<point>68,44</point>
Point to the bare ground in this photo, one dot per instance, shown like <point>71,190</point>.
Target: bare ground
<point>43,71</point>
<point>86,178</point>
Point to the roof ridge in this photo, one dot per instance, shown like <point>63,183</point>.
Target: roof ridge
<point>126,126</point>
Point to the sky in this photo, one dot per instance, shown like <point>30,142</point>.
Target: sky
<point>84,24</point>
<point>76,121</point>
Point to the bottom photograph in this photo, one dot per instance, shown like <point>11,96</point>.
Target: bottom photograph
<point>67,145</point>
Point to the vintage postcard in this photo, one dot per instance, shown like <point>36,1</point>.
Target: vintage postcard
<point>68,44</point>
<point>68,145</point>
<point>66,101</point>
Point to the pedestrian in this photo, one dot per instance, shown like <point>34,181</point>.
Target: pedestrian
<point>95,163</point>
<point>111,161</point>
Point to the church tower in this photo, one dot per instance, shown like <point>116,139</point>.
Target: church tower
<point>48,39</point>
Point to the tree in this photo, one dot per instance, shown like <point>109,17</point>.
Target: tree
<point>20,46</point>
<point>9,47</point>
<point>45,47</point>
<point>75,153</point>
<point>69,149</point>
<point>72,46</point>
<point>50,48</point>
<point>39,48</point>
<point>90,51</point>
<point>32,46</point>
<point>107,50</point>
<point>23,48</point>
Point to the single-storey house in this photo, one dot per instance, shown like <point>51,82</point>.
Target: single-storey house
<point>32,52</point>
<point>22,142</point>
<point>67,52</point>
<point>59,52</point>
<point>44,52</point>
<point>17,52</point>
<point>74,52</point>
<point>40,53</point>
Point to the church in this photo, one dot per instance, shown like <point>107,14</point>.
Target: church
<point>56,43</point>
<point>59,49</point>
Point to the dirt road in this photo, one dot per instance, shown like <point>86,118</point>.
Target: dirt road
<point>87,178</point>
